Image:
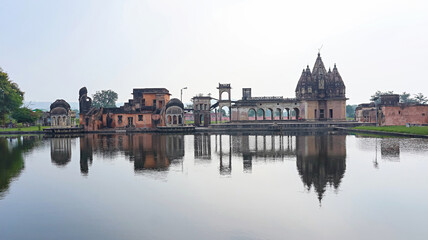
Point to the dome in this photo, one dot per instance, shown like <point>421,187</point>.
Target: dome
<point>59,111</point>
<point>60,103</point>
<point>174,102</point>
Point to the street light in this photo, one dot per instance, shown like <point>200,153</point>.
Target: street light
<point>181,94</point>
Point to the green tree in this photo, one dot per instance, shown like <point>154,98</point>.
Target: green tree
<point>350,111</point>
<point>11,96</point>
<point>104,98</point>
<point>420,98</point>
<point>25,115</point>
<point>405,98</point>
<point>376,96</point>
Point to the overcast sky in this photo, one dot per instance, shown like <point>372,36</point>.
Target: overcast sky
<point>53,48</point>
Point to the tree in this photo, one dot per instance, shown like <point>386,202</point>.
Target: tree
<point>420,98</point>
<point>105,99</point>
<point>350,111</point>
<point>405,98</point>
<point>11,96</point>
<point>376,96</point>
<point>25,115</point>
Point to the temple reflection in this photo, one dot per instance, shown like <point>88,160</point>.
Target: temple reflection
<point>321,161</point>
<point>202,146</point>
<point>253,148</point>
<point>60,151</point>
<point>146,151</point>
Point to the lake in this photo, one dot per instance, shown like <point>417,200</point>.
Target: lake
<point>151,186</point>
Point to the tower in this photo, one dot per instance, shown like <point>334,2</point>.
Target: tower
<point>227,102</point>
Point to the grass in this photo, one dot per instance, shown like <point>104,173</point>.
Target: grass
<point>23,129</point>
<point>423,130</point>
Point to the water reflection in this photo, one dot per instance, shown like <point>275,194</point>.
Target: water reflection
<point>146,151</point>
<point>12,152</point>
<point>60,151</point>
<point>321,161</point>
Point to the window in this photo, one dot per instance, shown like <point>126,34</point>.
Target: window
<point>140,117</point>
<point>143,102</point>
<point>119,118</point>
<point>399,112</point>
<point>154,102</point>
<point>315,113</point>
<point>331,113</point>
<point>321,113</point>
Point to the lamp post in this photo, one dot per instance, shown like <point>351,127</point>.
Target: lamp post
<point>181,94</point>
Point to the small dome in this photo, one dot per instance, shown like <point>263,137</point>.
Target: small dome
<point>60,103</point>
<point>59,111</point>
<point>174,102</point>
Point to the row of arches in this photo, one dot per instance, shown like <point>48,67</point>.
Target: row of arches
<point>274,114</point>
<point>62,121</point>
<point>174,120</point>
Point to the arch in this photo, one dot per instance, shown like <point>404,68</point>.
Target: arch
<point>260,114</point>
<point>224,95</point>
<point>297,113</point>
<point>277,114</point>
<point>252,114</point>
<point>292,114</point>
<point>201,119</point>
<point>286,114</point>
<point>174,119</point>
<point>269,114</point>
<point>169,119</point>
<point>180,119</point>
<point>226,115</point>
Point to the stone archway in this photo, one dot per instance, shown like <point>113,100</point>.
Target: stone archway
<point>252,114</point>
<point>278,115</point>
<point>297,113</point>
<point>260,114</point>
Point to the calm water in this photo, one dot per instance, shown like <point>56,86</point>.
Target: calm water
<point>148,186</point>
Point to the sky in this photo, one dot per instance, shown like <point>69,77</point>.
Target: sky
<point>53,48</point>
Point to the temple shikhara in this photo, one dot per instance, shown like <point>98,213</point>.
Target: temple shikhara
<point>320,96</point>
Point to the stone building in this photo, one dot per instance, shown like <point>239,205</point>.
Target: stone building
<point>202,110</point>
<point>389,112</point>
<point>174,113</point>
<point>320,95</point>
<point>147,109</point>
<point>61,115</point>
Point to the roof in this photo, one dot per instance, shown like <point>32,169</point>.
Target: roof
<point>174,102</point>
<point>151,90</point>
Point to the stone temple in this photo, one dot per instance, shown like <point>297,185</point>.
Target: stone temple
<point>320,96</point>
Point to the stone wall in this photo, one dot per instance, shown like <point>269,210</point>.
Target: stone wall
<point>400,115</point>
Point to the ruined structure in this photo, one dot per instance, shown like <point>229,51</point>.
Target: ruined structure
<point>201,110</point>
<point>174,113</point>
<point>389,111</point>
<point>61,115</point>
<point>320,95</point>
<point>147,109</point>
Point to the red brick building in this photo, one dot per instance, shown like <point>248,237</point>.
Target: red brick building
<point>391,112</point>
<point>147,109</point>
